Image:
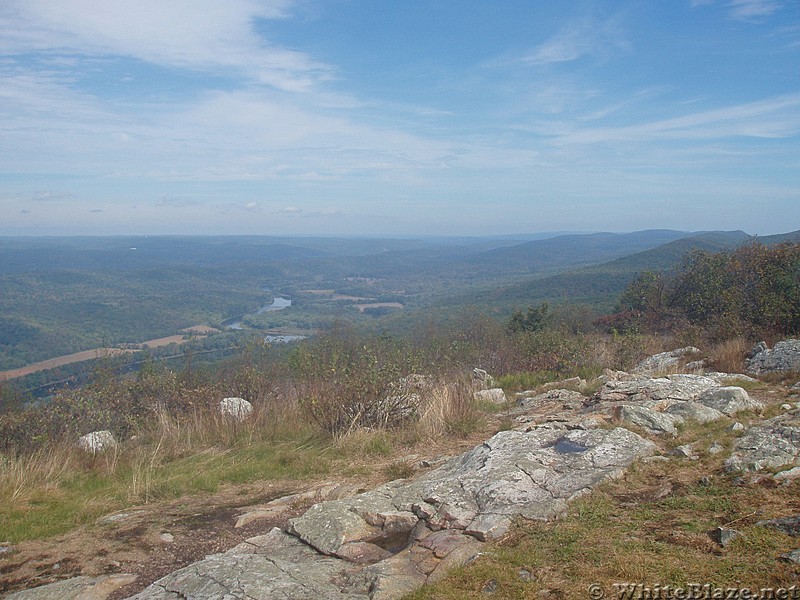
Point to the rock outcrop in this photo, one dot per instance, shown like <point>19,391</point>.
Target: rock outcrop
<point>392,539</point>
<point>784,356</point>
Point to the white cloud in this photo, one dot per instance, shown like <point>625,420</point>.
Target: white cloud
<point>194,34</point>
<point>747,10</point>
<point>777,117</point>
<point>586,37</point>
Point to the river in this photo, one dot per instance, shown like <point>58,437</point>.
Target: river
<point>278,303</point>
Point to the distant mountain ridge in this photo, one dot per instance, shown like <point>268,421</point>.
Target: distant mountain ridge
<point>603,283</point>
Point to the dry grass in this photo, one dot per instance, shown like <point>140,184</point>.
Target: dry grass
<point>728,356</point>
<point>57,488</point>
<point>449,407</point>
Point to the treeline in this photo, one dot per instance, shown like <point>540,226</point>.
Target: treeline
<point>753,291</point>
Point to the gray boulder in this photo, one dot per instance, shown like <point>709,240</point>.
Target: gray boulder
<point>652,391</point>
<point>236,409</point>
<point>97,441</point>
<point>729,400</point>
<point>771,444</point>
<point>649,419</point>
<point>784,356</point>
<point>694,411</point>
<point>494,395</point>
<point>666,362</point>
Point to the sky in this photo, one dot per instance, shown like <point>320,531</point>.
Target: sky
<point>401,118</point>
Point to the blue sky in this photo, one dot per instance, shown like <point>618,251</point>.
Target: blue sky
<point>398,117</point>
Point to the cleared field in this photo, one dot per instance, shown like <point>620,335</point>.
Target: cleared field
<point>363,307</point>
<point>59,361</point>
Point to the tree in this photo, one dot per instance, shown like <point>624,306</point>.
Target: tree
<point>534,320</point>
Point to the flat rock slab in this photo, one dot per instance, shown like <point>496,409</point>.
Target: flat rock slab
<point>530,474</point>
<point>788,525</point>
<point>275,566</point>
<point>77,588</point>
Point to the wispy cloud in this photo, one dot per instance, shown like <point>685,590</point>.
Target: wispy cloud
<point>196,34</point>
<point>748,10</point>
<point>586,37</point>
<point>773,118</point>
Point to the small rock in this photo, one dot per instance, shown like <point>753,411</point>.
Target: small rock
<point>716,448</point>
<point>787,406</point>
<point>792,557</point>
<point>6,549</point>
<point>525,575</point>
<point>166,538</point>
<point>685,451</point>
<point>723,535</point>
<point>118,517</point>
<point>490,587</point>
<point>736,427</point>
<point>706,481</point>
<point>653,459</point>
<point>482,378</point>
